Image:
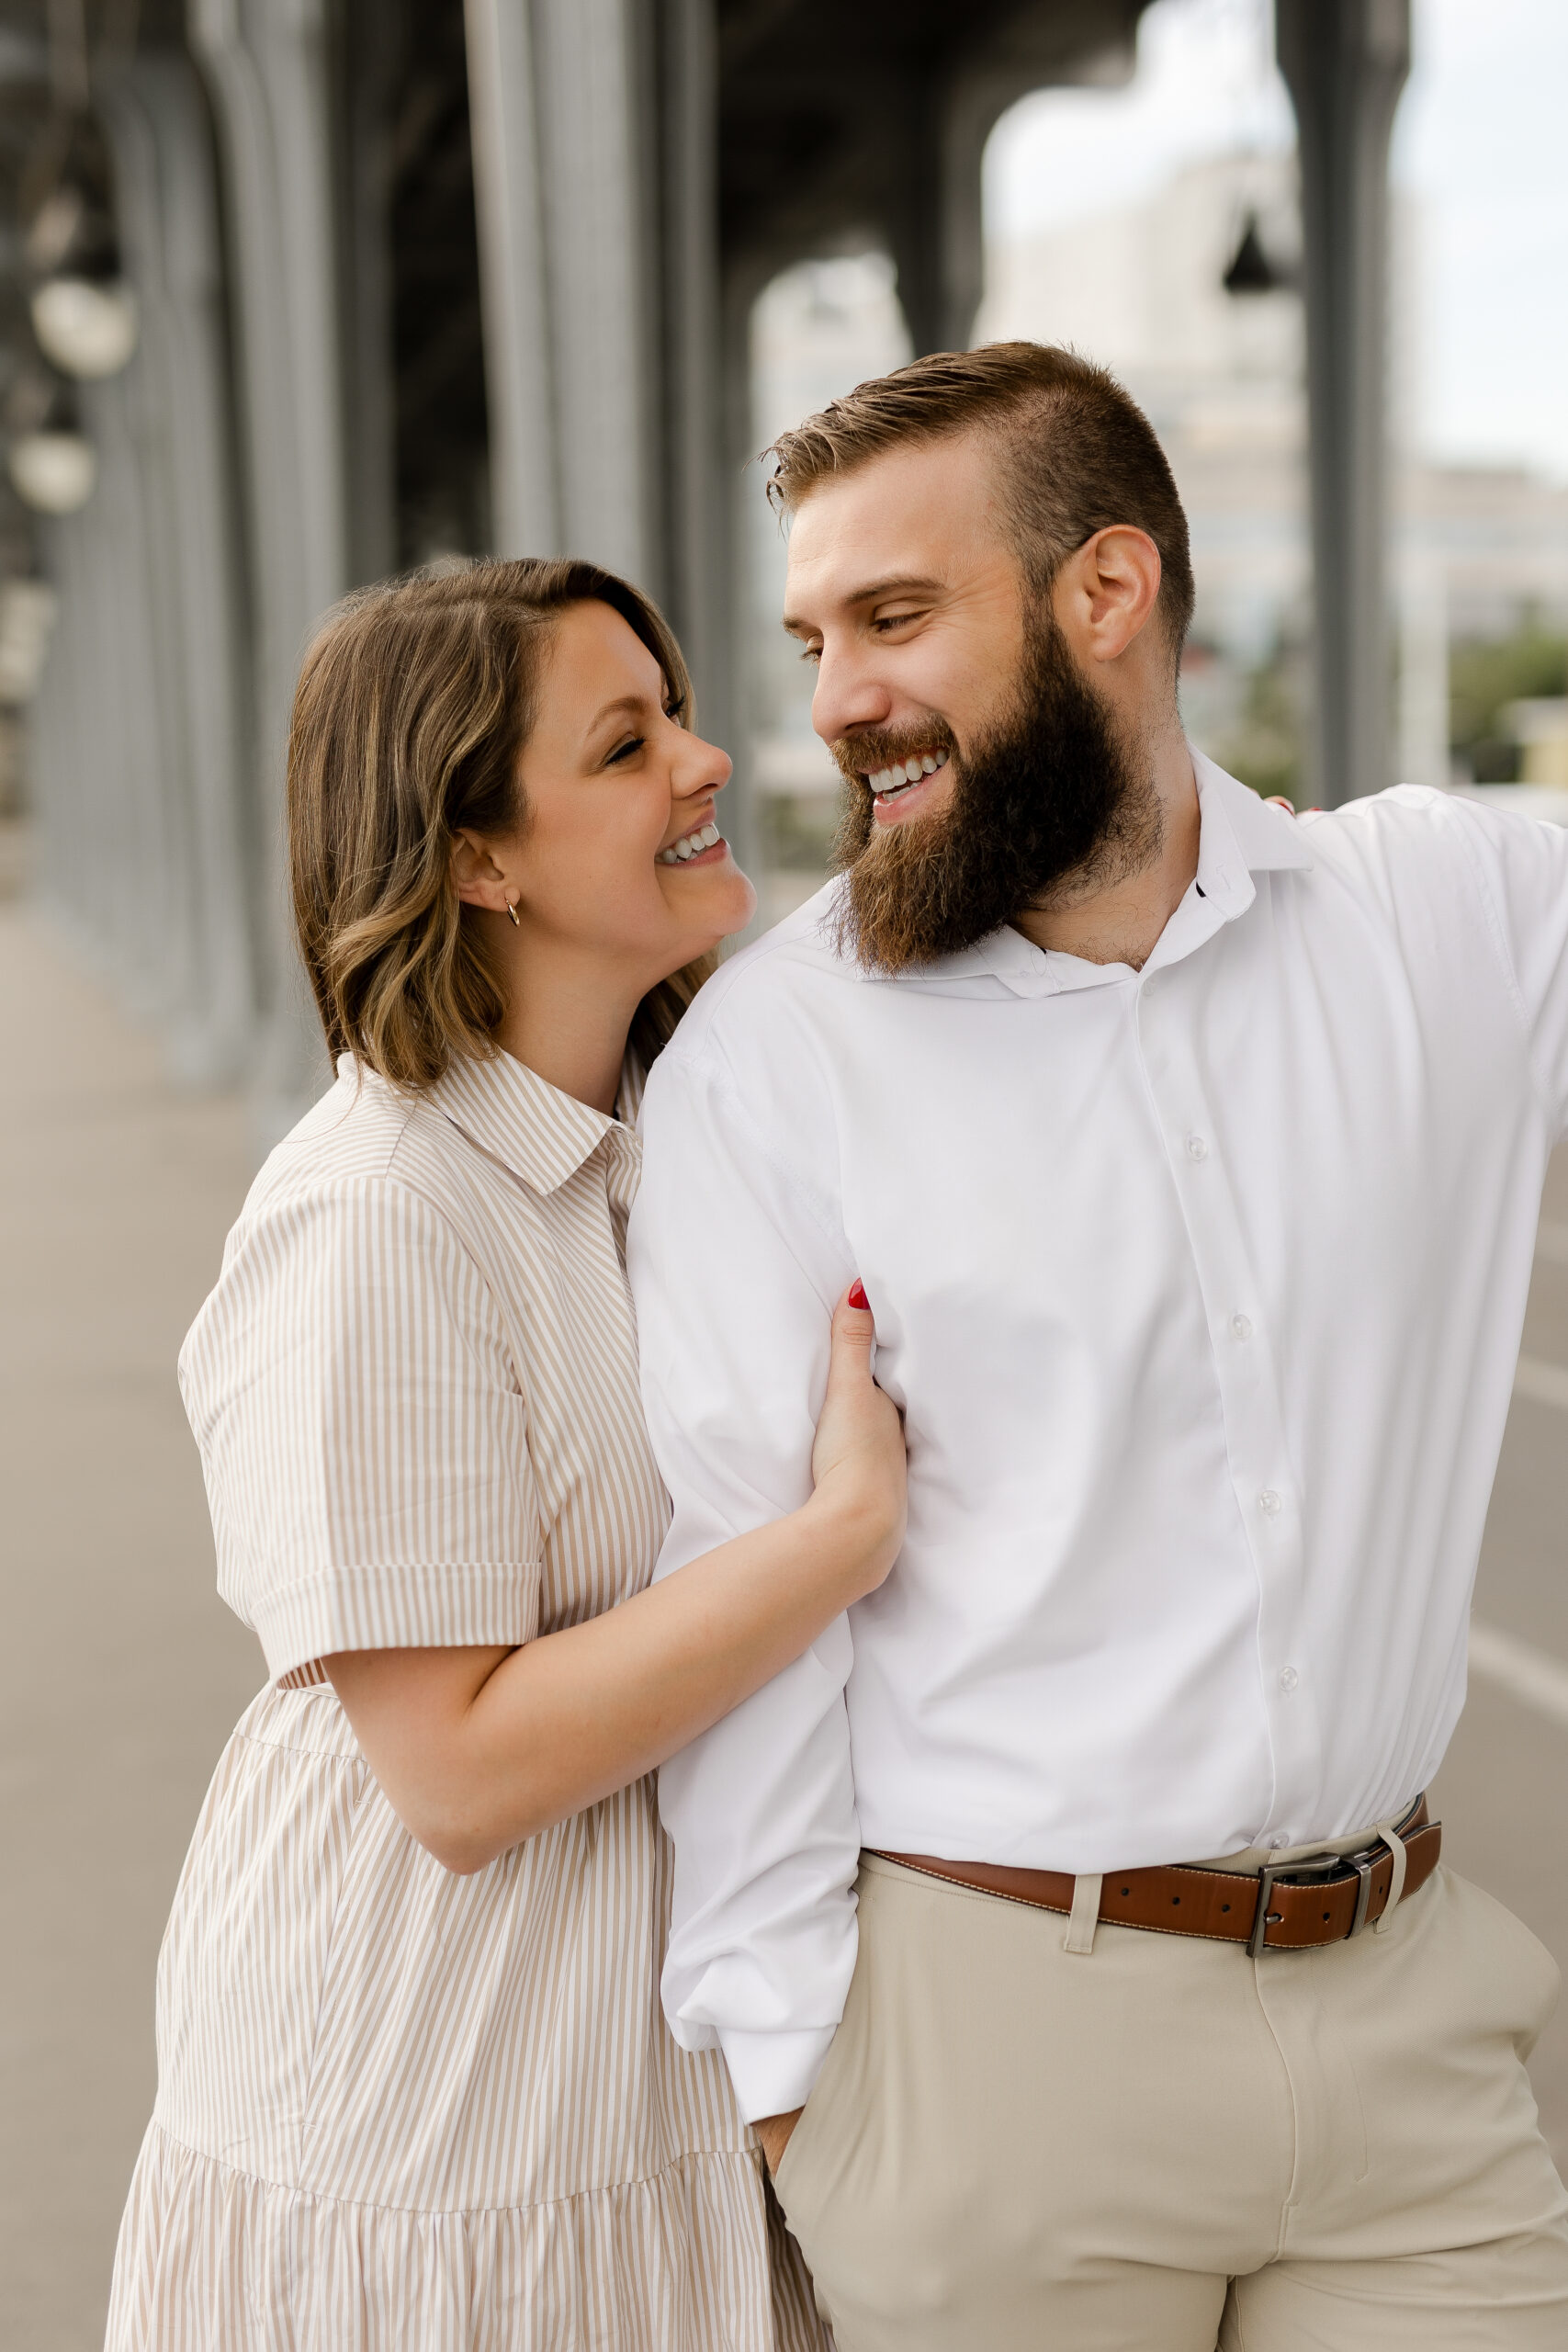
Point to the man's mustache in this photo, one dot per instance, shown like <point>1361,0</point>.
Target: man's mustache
<point>863,755</point>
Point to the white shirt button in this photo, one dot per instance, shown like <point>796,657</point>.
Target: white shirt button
<point>1289,1679</point>
<point>1196,1148</point>
<point>1270,1503</point>
<point>1241,1327</point>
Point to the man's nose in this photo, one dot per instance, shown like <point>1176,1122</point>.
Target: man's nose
<point>848,695</point>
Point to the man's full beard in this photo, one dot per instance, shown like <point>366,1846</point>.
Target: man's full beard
<point>1049,807</point>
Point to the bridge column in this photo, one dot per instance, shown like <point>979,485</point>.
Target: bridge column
<point>1344,61</point>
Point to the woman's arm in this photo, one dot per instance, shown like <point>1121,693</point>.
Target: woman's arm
<point>476,1749</point>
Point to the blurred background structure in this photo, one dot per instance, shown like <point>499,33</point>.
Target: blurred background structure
<point>295,293</point>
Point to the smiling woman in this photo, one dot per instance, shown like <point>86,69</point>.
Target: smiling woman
<point>441,677</point>
<point>414,2083</point>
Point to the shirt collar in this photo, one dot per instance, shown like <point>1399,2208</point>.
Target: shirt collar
<point>1239,836</point>
<point>510,1112</point>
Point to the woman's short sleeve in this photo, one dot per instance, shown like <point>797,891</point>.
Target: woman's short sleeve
<point>363,1432</point>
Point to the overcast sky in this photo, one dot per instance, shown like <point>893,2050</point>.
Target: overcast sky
<point>1481,146</point>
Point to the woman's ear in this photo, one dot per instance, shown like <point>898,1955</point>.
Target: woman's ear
<point>479,879</point>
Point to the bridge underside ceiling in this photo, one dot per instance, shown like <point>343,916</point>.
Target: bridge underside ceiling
<point>834,121</point>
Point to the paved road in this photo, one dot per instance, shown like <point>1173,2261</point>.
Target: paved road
<point>1502,1788</point>
<point>120,1673</point>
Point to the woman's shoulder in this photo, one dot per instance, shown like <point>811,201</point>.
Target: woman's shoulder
<point>366,1201</point>
<point>362,1140</point>
<point>370,1189</point>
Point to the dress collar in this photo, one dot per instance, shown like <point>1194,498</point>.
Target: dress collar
<point>510,1112</point>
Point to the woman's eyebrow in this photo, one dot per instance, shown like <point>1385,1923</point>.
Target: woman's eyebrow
<point>624,706</point>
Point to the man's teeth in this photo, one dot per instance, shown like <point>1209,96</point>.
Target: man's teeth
<point>690,845</point>
<point>888,783</point>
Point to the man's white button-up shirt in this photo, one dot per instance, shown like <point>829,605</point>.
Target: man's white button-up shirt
<point>1200,1289</point>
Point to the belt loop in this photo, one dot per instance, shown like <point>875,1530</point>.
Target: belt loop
<point>1395,1844</point>
<point>1084,1916</point>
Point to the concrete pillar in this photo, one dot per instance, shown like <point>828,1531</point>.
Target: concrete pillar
<point>139,776</point>
<point>560,101</point>
<point>935,223</point>
<point>1344,61</point>
<point>168,209</point>
<point>595,145</point>
<point>503,116</point>
<point>369,36</point>
<point>265,66</point>
<point>692,504</point>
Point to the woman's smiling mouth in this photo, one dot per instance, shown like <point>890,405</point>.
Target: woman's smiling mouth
<point>698,846</point>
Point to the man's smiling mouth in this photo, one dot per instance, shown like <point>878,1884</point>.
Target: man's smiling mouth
<point>887,784</point>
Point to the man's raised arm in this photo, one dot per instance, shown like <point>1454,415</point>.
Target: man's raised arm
<point>735,1267</point>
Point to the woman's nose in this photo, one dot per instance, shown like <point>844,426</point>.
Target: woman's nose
<point>702,768</point>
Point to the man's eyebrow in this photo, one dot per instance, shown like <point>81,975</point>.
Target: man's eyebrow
<point>898,584</point>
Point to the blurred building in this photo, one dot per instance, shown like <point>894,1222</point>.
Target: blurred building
<point>295,292</point>
<point>1193,296</point>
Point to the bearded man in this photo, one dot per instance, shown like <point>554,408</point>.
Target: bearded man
<point>1069,1917</point>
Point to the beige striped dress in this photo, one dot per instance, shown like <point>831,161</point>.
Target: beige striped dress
<point>398,2109</point>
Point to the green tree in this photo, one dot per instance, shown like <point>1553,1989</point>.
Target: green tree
<point>1486,674</point>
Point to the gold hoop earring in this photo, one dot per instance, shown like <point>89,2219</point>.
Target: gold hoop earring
<point>512,912</point>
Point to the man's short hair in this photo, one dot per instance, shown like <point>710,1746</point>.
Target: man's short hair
<point>1078,454</point>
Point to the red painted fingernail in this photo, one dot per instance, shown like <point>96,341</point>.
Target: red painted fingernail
<point>857,1294</point>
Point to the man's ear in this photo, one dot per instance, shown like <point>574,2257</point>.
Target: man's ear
<point>479,880</point>
<point>1107,591</point>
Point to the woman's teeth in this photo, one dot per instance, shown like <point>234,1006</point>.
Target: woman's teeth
<point>690,845</point>
<point>888,783</point>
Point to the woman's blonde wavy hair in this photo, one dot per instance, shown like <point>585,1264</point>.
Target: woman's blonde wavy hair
<point>414,705</point>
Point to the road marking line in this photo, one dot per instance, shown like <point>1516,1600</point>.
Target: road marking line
<point>1543,1384</point>
<point>1551,1241</point>
<point>1533,1677</point>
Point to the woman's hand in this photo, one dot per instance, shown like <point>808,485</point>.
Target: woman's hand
<point>477,1749</point>
<point>858,1462</point>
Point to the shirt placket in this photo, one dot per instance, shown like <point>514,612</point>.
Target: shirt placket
<point>1266,1490</point>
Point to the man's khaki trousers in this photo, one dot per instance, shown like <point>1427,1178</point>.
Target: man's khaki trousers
<point>1161,2145</point>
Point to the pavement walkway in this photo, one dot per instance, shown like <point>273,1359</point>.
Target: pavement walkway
<point>121,1673</point>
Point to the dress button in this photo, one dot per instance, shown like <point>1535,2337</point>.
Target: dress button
<point>1289,1677</point>
<point>1270,1503</point>
<point>1241,1327</point>
<point>1196,1148</point>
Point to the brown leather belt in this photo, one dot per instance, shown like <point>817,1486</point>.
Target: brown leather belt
<point>1291,1907</point>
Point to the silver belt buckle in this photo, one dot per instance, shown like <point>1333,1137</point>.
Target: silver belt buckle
<point>1332,1866</point>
